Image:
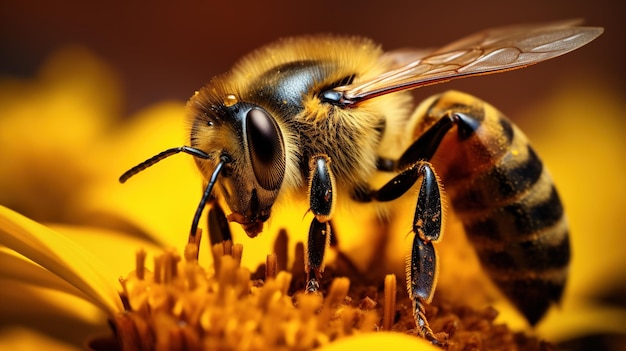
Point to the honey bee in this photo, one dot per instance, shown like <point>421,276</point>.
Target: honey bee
<point>321,116</point>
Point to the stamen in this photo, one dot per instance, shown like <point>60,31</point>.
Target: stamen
<point>127,336</point>
<point>228,247</point>
<point>237,252</point>
<point>140,264</point>
<point>337,292</point>
<point>192,248</point>
<point>281,248</point>
<point>226,309</point>
<point>158,269</point>
<point>271,266</point>
<point>191,252</point>
<point>170,263</point>
<point>218,254</point>
<point>389,309</point>
<point>243,282</point>
<point>336,295</point>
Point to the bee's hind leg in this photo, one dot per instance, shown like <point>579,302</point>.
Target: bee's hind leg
<point>427,227</point>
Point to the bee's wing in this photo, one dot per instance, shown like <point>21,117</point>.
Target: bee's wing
<point>489,51</point>
<point>402,57</point>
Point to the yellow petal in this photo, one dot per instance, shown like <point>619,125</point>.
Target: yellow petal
<point>116,249</point>
<point>60,256</point>
<point>22,339</point>
<point>380,341</point>
<point>47,129</point>
<point>161,200</point>
<point>16,267</point>
<point>65,316</point>
<point>590,319</point>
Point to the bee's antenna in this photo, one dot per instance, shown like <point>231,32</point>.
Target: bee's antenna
<point>156,158</point>
<point>207,195</point>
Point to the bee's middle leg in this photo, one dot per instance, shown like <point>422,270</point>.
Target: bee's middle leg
<point>321,202</point>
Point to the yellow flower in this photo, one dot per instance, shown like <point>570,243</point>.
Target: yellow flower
<point>47,264</point>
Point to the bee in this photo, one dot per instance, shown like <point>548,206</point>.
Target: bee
<point>322,116</point>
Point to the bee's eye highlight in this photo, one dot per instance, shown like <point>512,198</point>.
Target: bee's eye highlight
<point>265,145</point>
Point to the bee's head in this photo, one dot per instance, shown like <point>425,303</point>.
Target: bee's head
<point>250,143</point>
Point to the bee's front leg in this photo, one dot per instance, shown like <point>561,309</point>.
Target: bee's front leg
<point>219,230</point>
<point>321,202</point>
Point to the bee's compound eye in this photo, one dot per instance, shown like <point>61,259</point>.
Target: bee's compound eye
<point>265,145</point>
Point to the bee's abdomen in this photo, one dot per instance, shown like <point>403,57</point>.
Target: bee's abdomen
<point>510,209</point>
<point>523,243</point>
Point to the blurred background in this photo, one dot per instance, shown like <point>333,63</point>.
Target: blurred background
<point>158,51</point>
<point>165,51</point>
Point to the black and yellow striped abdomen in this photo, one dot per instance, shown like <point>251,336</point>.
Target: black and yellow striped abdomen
<point>505,197</point>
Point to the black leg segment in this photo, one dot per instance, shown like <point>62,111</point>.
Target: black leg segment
<point>321,188</point>
<point>428,220</point>
<point>397,186</point>
<point>319,240</point>
<point>207,195</point>
<point>219,230</point>
<point>424,147</point>
<point>321,201</point>
<point>422,270</point>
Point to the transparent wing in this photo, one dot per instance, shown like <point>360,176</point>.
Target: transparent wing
<point>402,57</point>
<point>486,52</point>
